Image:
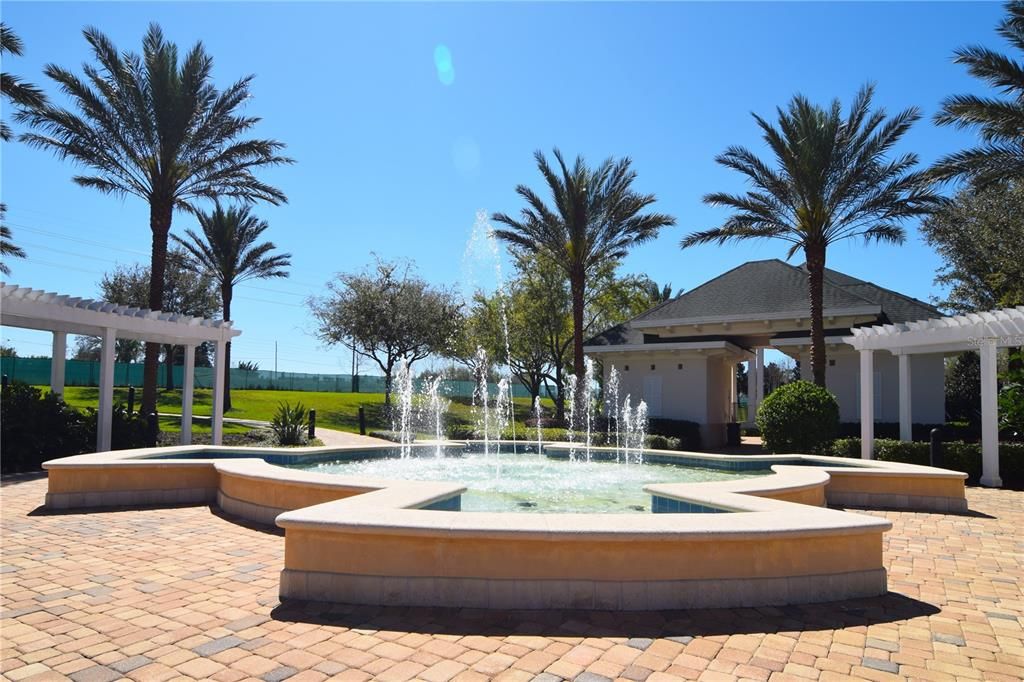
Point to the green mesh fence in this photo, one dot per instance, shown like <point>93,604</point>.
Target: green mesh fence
<point>36,371</point>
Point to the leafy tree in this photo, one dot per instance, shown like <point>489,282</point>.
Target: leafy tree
<point>185,292</point>
<point>980,238</point>
<point>8,352</point>
<point>150,127</point>
<point>963,389</point>
<point>387,313</point>
<point>527,355</point>
<point>227,250</point>
<point>1011,396</point>
<point>595,219</point>
<point>999,122</point>
<point>249,366</point>
<point>832,182</point>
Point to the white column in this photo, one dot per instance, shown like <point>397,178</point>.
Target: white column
<point>187,389</point>
<point>989,416</point>
<point>60,350</point>
<point>732,391</point>
<point>106,409</point>
<point>867,404</point>
<point>906,406</point>
<point>218,393</point>
<point>755,385</point>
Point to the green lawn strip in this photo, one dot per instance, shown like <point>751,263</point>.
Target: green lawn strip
<point>338,411</point>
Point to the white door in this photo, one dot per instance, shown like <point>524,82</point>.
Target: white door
<point>652,394</point>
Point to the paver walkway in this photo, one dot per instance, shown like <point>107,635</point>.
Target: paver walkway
<point>158,594</point>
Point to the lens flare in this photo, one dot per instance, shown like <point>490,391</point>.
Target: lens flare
<point>443,64</point>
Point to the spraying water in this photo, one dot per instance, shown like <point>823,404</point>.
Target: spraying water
<point>538,415</point>
<point>481,399</point>
<point>570,386</point>
<point>611,407</point>
<point>588,387</point>
<point>438,407</point>
<point>402,416</point>
<point>482,248</point>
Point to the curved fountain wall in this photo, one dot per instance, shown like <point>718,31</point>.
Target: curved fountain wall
<point>376,541</point>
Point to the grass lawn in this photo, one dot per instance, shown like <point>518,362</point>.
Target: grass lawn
<point>338,411</point>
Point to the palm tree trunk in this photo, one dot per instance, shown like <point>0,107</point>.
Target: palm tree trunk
<point>169,367</point>
<point>815,254</point>
<point>226,293</point>
<point>160,224</point>
<point>577,284</point>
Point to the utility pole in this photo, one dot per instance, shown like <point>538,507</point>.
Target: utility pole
<point>275,361</point>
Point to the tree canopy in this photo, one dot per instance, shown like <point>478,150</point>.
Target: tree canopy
<point>387,313</point>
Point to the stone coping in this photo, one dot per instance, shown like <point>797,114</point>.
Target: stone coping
<point>381,506</point>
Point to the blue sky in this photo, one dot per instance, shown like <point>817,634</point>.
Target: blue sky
<point>395,158</point>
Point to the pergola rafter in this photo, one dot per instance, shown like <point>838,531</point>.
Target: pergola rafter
<point>985,332</point>
<point>62,315</point>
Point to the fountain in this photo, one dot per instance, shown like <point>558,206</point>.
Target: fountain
<point>538,415</point>
<point>611,407</point>
<point>437,408</point>
<point>402,417</point>
<point>570,387</point>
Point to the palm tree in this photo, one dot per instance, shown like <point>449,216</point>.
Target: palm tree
<point>832,182</point>
<point>596,218</point>
<point>161,131</point>
<point>20,94</point>
<point>656,294</point>
<point>7,247</point>
<point>17,91</point>
<point>228,252</point>
<point>1000,157</point>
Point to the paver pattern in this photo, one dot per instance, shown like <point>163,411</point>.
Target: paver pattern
<point>187,593</point>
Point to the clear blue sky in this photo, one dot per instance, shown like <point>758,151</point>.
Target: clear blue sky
<point>392,160</point>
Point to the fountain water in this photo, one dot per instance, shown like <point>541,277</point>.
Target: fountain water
<point>437,407</point>
<point>483,246</point>
<point>481,400</point>
<point>570,386</point>
<point>538,415</point>
<point>402,416</point>
<point>611,407</point>
<point>587,390</point>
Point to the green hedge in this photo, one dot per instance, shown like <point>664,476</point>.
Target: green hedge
<point>957,456</point>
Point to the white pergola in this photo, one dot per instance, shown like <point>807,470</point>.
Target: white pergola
<point>984,332</point>
<point>62,315</point>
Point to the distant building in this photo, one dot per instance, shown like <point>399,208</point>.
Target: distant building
<point>680,356</point>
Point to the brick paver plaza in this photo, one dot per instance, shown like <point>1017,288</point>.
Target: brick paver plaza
<point>155,594</point>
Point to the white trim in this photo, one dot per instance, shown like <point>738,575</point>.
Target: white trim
<point>696,346</point>
<point>800,314</point>
<point>962,332</point>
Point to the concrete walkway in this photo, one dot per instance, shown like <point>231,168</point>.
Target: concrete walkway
<point>188,593</point>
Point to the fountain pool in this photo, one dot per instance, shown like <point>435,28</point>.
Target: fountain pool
<point>528,481</point>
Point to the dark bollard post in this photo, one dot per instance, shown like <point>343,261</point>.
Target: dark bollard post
<point>152,429</point>
<point>362,421</point>
<point>312,424</point>
<point>935,448</point>
<point>131,399</point>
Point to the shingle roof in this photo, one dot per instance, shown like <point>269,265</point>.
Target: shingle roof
<point>770,287</point>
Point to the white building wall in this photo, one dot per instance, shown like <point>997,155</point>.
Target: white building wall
<point>683,391</point>
<point>928,401</point>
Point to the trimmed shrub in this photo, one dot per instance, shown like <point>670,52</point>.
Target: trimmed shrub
<point>128,430</point>
<point>35,427</point>
<point>798,417</point>
<point>956,456</point>
<point>289,424</point>
<point>950,431</point>
<point>687,432</point>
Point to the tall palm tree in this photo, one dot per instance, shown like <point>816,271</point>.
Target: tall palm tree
<point>832,182</point>
<point>17,91</point>
<point>227,251</point>
<point>596,218</point>
<point>149,127</point>
<point>1000,122</point>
